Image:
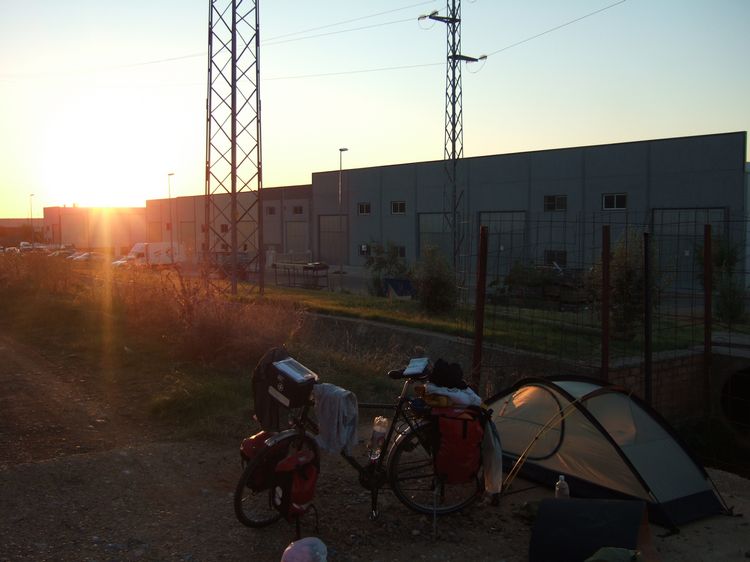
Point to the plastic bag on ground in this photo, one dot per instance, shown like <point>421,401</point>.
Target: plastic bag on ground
<point>309,549</point>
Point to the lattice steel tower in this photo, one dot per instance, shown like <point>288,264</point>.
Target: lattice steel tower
<point>233,224</point>
<point>454,121</point>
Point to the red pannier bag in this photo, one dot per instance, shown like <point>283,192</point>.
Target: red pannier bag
<point>296,476</point>
<point>264,476</point>
<point>458,448</point>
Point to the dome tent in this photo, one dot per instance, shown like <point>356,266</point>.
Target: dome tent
<point>606,442</point>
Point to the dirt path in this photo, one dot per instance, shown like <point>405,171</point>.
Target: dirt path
<point>82,480</point>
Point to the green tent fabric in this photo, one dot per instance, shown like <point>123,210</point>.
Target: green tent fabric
<point>606,442</point>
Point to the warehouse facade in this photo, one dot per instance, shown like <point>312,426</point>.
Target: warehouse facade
<point>544,207</point>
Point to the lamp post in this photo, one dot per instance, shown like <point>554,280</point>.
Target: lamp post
<point>171,224</point>
<point>342,248</point>
<point>31,219</point>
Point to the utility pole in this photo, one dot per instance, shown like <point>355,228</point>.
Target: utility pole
<point>171,219</point>
<point>454,132</point>
<point>233,223</point>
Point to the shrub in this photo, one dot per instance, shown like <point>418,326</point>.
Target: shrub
<point>627,285</point>
<point>730,297</point>
<point>435,283</point>
<point>383,262</point>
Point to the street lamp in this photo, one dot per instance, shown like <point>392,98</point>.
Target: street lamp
<point>341,221</point>
<point>171,224</point>
<point>31,220</point>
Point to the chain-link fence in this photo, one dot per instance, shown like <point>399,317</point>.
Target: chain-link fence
<point>655,303</point>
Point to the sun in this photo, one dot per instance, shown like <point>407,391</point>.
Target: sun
<point>105,147</point>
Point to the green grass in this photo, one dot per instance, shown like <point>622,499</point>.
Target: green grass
<point>403,312</point>
<point>129,340</point>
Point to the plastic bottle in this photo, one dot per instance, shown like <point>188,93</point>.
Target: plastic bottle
<point>561,488</point>
<point>379,430</point>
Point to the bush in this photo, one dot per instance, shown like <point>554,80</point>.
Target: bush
<point>435,283</point>
<point>730,297</point>
<point>627,285</point>
<point>383,262</point>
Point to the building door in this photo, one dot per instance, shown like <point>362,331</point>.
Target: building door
<point>332,239</point>
<point>296,237</point>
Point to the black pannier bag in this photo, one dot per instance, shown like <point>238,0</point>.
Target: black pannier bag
<point>279,383</point>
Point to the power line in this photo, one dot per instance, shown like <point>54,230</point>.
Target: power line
<point>362,71</point>
<point>271,43</point>
<point>360,18</point>
<point>328,74</point>
<point>406,67</point>
<point>556,28</point>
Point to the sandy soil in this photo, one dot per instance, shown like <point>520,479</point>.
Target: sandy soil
<point>85,476</point>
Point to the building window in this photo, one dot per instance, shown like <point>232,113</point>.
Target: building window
<point>297,210</point>
<point>203,228</point>
<point>401,251</point>
<point>398,207</point>
<point>364,249</point>
<point>363,208</point>
<point>169,226</point>
<point>270,211</point>
<point>224,228</point>
<point>555,202</point>
<point>556,257</point>
<point>614,201</point>
<point>204,246</point>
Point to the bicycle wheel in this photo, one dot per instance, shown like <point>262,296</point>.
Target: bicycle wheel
<point>253,497</point>
<point>411,473</point>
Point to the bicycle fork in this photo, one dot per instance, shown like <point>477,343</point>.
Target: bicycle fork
<point>372,477</point>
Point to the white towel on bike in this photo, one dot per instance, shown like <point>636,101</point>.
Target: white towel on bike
<point>460,397</point>
<point>336,410</point>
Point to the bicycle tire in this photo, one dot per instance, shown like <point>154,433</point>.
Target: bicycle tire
<point>411,475</point>
<point>253,502</point>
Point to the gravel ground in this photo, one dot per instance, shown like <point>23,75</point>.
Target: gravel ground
<point>85,477</point>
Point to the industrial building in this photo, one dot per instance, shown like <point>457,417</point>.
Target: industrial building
<point>541,206</point>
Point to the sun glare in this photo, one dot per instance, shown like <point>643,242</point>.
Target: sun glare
<point>96,150</point>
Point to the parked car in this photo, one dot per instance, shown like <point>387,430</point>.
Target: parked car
<point>90,257</point>
<point>123,261</point>
<point>12,250</point>
<point>74,255</point>
<point>61,253</point>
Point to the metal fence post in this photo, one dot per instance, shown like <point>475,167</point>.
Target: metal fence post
<point>707,317</point>
<point>647,319</point>
<point>476,367</point>
<point>606,257</point>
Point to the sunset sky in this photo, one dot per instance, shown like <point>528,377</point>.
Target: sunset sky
<point>101,99</point>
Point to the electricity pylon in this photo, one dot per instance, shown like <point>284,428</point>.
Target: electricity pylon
<point>454,126</point>
<point>233,222</point>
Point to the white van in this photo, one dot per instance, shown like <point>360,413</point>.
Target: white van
<point>155,254</point>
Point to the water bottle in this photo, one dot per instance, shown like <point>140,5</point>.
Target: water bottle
<point>561,488</point>
<point>379,430</point>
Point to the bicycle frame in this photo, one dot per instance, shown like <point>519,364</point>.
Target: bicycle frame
<point>373,475</point>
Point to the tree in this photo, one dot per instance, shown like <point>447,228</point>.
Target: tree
<point>730,297</point>
<point>627,285</point>
<point>435,282</point>
<point>384,261</point>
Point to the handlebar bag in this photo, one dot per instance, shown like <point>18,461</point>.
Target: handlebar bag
<point>458,443</point>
